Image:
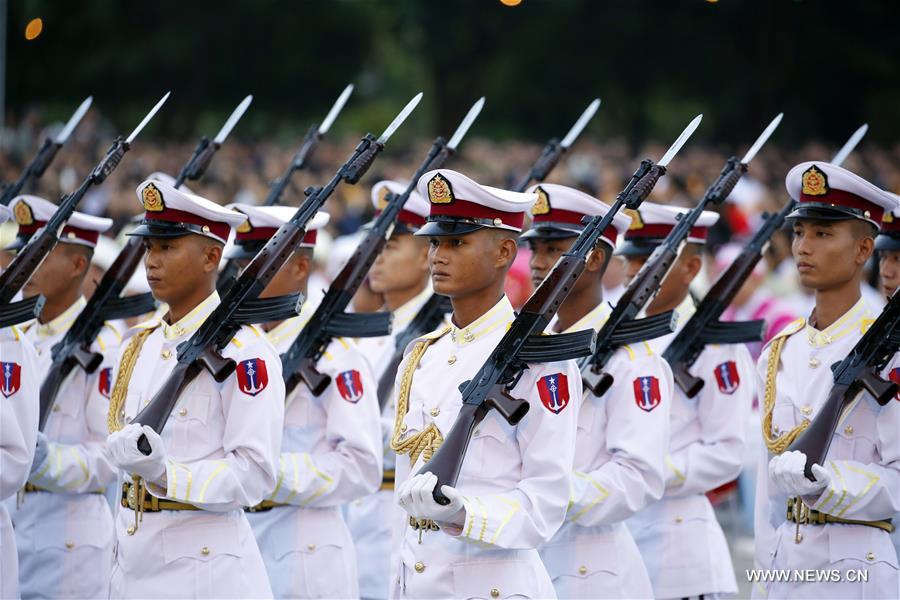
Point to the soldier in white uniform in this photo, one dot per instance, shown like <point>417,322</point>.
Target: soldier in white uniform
<point>19,386</point>
<point>680,539</point>
<point>399,274</point>
<point>181,530</point>
<point>622,435</point>
<point>841,521</point>
<point>888,246</point>
<point>513,486</point>
<point>63,523</point>
<point>331,450</point>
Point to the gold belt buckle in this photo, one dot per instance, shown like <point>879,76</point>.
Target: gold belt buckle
<point>131,496</point>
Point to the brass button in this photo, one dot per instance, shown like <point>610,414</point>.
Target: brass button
<point>806,410</point>
<point>582,570</point>
<point>130,530</point>
<point>798,538</point>
<point>204,551</point>
<point>310,547</point>
<point>814,363</point>
<point>71,235</point>
<point>848,429</point>
<point>679,519</point>
<point>420,566</point>
<point>451,359</point>
<point>205,229</point>
<point>403,428</point>
<point>70,545</point>
<point>166,354</point>
<point>435,411</point>
<point>183,412</point>
<point>56,408</point>
<point>470,337</point>
<point>870,556</point>
<point>495,593</point>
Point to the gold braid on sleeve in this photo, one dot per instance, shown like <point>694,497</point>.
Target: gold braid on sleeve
<point>776,445</point>
<point>427,441</point>
<point>123,378</point>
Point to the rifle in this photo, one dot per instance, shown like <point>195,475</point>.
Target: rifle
<point>205,150</point>
<point>329,320</point>
<point>554,149</point>
<point>858,371</point>
<point>315,133</point>
<point>524,343</point>
<point>27,260</point>
<point>107,303</point>
<point>432,312</point>
<point>622,328</point>
<point>45,154</point>
<point>241,304</point>
<point>704,326</point>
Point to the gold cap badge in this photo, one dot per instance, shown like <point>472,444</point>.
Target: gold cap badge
<point>23,214</point>
<point>888,217</point>
<point>152,199</point>
<point>815,182</point>
<point>636,221</point>
<point>439,190</point>
<point>542,206</point>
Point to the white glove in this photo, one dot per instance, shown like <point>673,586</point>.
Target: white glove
<point>125,455</point>
<point>40,453</point>
<point>786,471</point>
<point>415,497</point>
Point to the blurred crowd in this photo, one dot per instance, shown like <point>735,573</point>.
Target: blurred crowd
<point>242,172</point>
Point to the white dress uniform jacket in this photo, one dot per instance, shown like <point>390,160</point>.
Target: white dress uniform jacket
<point>619,469</point>
<point>330,455</point>
<point>19,386</point>
<point>369,518</point>
<point>65,534</point>
<point>515,479</point>
<point>682,543</point>
<point>863,461</point>
<point>221,444</point>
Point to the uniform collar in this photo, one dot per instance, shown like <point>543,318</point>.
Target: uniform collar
<point>593,320</point>
<point>685,310</point>
<point>404,314</point>
<point>61,323</point>
<point>191,321</point>
<point>291,328</point>
<point>501,313</point>
<point>856,319</point>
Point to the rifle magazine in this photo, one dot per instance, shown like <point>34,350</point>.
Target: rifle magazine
<point>128,306</point>
<point>733,332</point>
<point>641,330</point>
<point>19,312</point>
<point>262,310</point>
<point>359,325</point>
<point>550,348</point>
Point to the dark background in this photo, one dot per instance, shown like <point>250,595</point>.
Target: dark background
<point>828,64</point>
